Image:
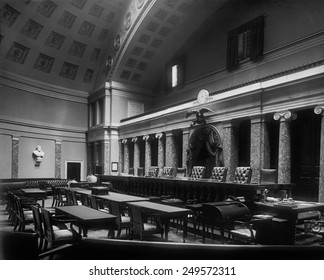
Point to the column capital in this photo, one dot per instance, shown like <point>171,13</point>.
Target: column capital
<point>14,137</point>
<point>124,141</point>
<point>159,135</point>
<point>134,139</point>
<point>58,142</point>
<point>319,110</point>
<point>146,137</point>
<point>284,116</point>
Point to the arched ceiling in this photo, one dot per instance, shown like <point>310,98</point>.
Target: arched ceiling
<point>80,44</point>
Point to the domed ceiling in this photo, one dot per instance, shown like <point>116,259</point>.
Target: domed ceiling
<point>80,44</point>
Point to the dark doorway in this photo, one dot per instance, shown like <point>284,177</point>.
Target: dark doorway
<point>74,171</point>
<point>305,151</point>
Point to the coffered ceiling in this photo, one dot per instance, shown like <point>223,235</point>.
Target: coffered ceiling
<point>80,44</point>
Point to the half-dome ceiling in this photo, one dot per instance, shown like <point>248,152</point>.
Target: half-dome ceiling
<point>80,44</point>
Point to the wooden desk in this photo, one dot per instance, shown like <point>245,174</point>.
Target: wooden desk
<point>121,198</point>
<point>290,214</point>
<point>37,194</point>
<point>87,217</point>
<point>166,212</point>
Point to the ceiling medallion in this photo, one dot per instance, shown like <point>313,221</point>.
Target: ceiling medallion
<point>117,42</point>
<point>128,21</point>
<point>139,3</point>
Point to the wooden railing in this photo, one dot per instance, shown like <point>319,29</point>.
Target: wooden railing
<point>186,189</point>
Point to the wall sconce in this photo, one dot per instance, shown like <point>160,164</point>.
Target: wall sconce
<point>38,155</point>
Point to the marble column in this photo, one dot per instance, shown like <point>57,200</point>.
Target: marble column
<point>58,159</point>
<point>185,147</point>
<point>126,156</point>
<point>89,158</point>
<point>230,150</point>
<point>259,147</point>
<point>106,156</point>
<point>14,157</point>
<point>136,154</point>
<point>121,157</point>
<point>319,110</point>
<point>170,150</point>
<point>284,157</point>
<point>96,155</point>
<point>148,151</point>
<point>161,149</point>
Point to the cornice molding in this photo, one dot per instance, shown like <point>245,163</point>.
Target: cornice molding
<point>40,88</point>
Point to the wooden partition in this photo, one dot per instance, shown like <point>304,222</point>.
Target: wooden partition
<point>184,189</point>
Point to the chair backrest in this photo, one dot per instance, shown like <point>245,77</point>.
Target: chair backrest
<point>198,172</point>
<point>167,171</point>
<point>93,202</point>
<point>136,217</point>
<point>181,172</point>
<point>153,171</point>
<point>140,171</point>
<point>131,171</point>
<point>269,176</point>
<point>85,199</point>
<point>69,197</point>
<point>48,229</point>
<point>243,175</point>
<point>38,223</point>
<point>115,210</point>
<point>219,173</point>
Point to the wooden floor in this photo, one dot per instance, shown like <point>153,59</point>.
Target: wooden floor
<point>174,234</point>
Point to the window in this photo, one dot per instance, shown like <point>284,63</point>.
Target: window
<point>175,73</point>
<point>174,80</point>
<point>245,42</point>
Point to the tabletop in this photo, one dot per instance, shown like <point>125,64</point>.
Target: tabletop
<point>84,213</point>
<point>119,197</point>
<point>161,208</point>
<point>33,191</point>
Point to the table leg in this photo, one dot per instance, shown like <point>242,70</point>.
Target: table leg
<point>166,229</point>
<point>185,228</point>
<point>111,232</point>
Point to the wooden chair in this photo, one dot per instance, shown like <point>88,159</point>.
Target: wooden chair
<point>268,176</point>
<point>243,175</point>
<point>23,217</point>
<point>95,205</point>
<point>198,172</point>
<point>153,171</point>
<point>55,194</point>
<point>140,171</point>
<point>56,232</point>
<point>167,171</point>
<point>140,223</point>
<point>181,172</point>
<point>122,220</point>
<point>219,173</point>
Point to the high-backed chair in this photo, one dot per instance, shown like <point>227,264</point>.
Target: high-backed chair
<point>219,173</point>
<point>167,171</point>
<point>24,216</point>
<point>198,172</point>
<point>140,171</point>
<point>181,172</point>
<point>153,171</point>
<point>56,236</point>
<point>122,220</point>
<point>243,175</point>
<point>268,176</point>
<point>141,225</point>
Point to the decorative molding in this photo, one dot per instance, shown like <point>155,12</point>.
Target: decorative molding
<point>40,88</point>
<point>124,141</point>
<point>146,138</point>
<point>284,116</point>
<point>319,110</point>
<point>134,139</point>
<point>159,135</point>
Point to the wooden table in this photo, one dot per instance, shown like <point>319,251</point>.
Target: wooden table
<point>87,217</point>
<point>121,198</point>
<point>37,194</point>
<point>166,212</point>
<point>289,213</point>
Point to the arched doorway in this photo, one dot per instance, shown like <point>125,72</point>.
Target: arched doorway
<point>205,149</point>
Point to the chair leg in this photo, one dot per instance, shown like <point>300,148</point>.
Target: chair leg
<point>119,232</point>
